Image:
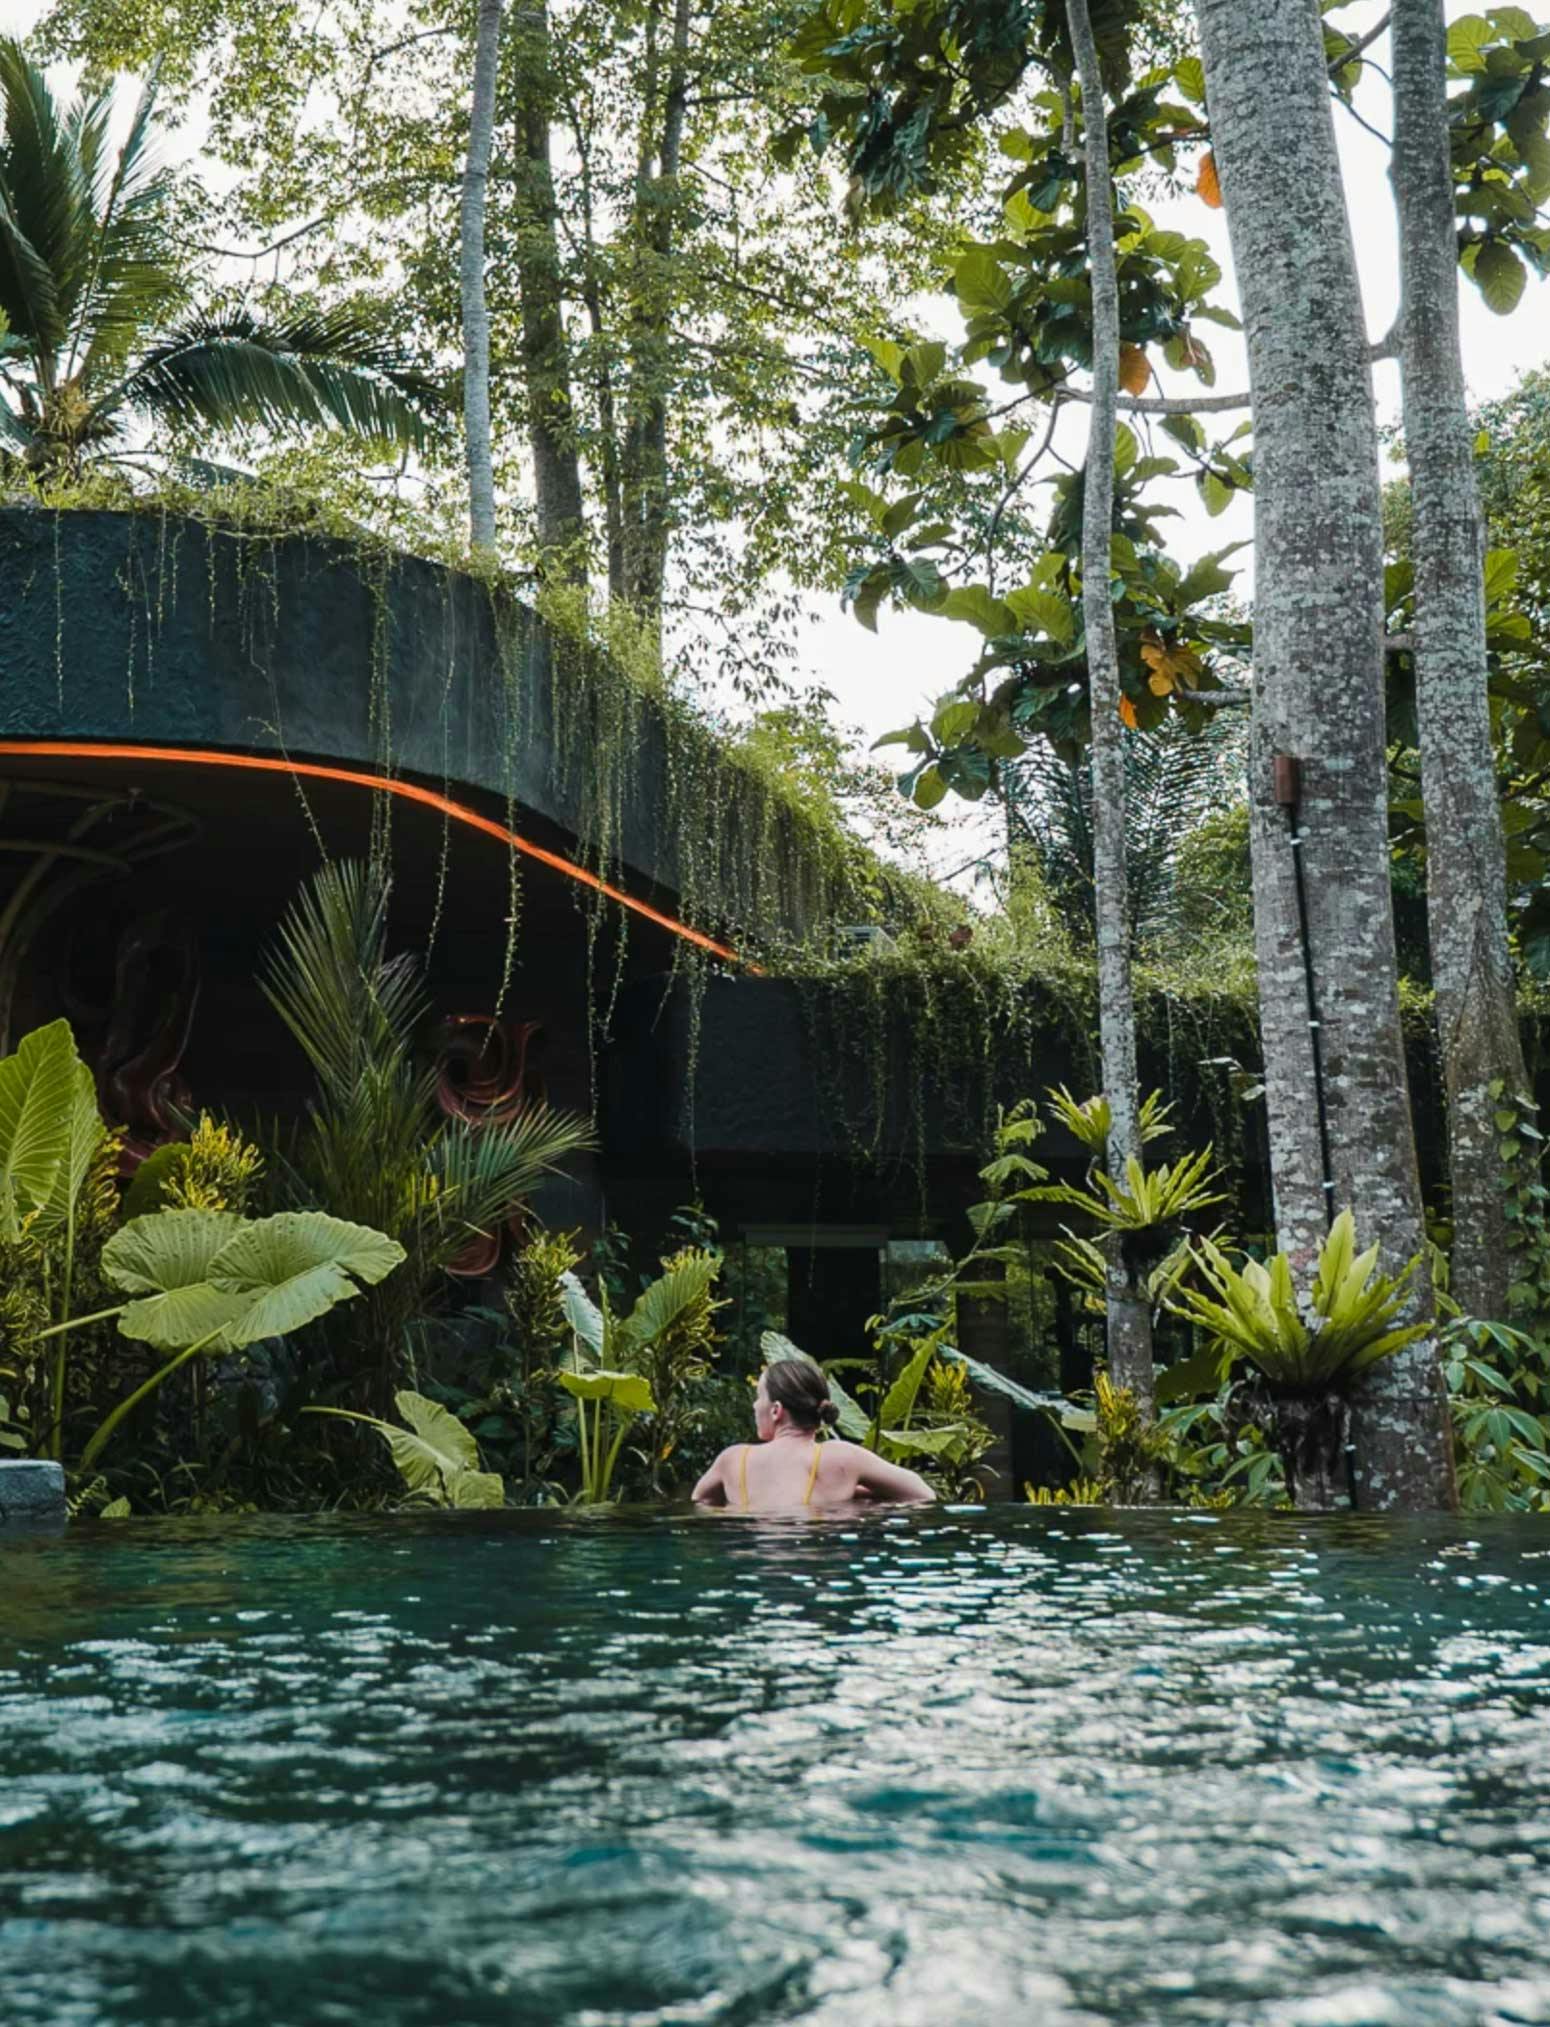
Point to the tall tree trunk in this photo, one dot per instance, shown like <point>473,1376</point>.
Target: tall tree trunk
<point>1466,882</point>
<point>603,372</point>
<point>545,356</point>
<point>1129,1314</point>
<point>1339,1111</point>
<point>476,315</point>
<point>644,478</point>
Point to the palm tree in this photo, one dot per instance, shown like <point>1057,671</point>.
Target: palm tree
<point>98,329</point>
<point>376,1139</point>
<point>1174,779</point>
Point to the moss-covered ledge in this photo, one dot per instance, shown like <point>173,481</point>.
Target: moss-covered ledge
<point>162,627</point>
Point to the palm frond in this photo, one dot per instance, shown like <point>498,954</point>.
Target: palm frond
<point>43,198</point>
<point>332,982</point>
<point>233,369</point>
<point>483,1175</point>
<point>131,282</point>
<point>1173,779</point>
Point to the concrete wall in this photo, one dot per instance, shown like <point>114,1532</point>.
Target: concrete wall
<point>155,629</point>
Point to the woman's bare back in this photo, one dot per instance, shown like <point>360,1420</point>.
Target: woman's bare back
<point>791,1475</point>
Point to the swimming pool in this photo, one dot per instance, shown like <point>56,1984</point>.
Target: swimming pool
<point>911,1771</point>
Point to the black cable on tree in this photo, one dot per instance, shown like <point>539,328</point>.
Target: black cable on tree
<point>1288,794</point>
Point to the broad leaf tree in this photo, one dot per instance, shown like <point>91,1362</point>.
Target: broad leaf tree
<point>476,311</point>
<point>1129,1314</point>
<point>1494,148</point>
<point>674,304</point>
<point>1336,1089</point>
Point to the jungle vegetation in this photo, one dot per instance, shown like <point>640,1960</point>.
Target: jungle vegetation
<point>691,313</point>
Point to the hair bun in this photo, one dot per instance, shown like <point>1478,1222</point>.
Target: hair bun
<point>829,1415</point>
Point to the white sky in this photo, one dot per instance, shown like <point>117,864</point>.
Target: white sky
<point>882,681</point>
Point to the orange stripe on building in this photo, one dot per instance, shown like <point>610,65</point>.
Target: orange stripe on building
<point>311,770</point>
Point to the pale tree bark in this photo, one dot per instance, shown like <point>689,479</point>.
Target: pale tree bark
<point>1129,1314</point>
<point>545,355</point>
<point>476,315</point>
<point>644,473</point>
<point>1340,1126</point>
<point>1466,881</point>
<point>603,370</point>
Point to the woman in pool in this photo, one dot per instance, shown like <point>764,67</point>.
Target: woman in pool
<point>790,1468</point>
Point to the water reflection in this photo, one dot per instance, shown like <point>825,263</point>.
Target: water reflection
<point>921,1768</point>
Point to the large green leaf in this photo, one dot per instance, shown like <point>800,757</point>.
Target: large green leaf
<point>436,1454</point>
<point>899,1401</point>
<point>1500,277</point>
<point>583,1315</point>
<point>40,1122</point>
<point>434,1449</point>
<point>471,1490</point>
<point>210,1274</point>
<point>1468,38</point>
<point>630,1392</point>
<point>167,1250</point>
<point>926,1442</point>
<point>82,1135</point>
<point>980,280</point>
<point>186,1316</point>
<point>294,1267</point>
<point>669,1298</point>
<point>164,1259</point>
<point>997,1382</point>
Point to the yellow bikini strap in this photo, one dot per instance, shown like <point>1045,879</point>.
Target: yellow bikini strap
<point>812,1476</point>
<point>743,1475</point>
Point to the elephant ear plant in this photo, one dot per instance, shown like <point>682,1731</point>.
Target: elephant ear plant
<point>50,1135</point>
<point>623,1367</point>
<point>437,1458</point>
<point>214,1282</point>
<point>1307,1358</point>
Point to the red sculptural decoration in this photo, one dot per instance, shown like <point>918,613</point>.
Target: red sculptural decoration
<point>155,993</point>
<point>482,1078</point>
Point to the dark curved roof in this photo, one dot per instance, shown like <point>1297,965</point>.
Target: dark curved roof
<point>164,630</point>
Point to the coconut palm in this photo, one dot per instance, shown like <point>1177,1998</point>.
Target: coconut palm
<point>99,330</point>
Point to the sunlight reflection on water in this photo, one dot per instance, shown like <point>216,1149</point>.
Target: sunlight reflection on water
<point>981,1767</point>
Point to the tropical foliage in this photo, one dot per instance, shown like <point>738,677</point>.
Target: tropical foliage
<point>213,1282</point>
<point>436,1456</point>
<point>101,334</point>
<point>734,382</point>
<point>1354,1313</point>
<point>644,1362</point>
<point>376,1146</point>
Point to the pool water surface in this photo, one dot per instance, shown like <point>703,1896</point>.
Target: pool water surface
<point>1024,1765</point>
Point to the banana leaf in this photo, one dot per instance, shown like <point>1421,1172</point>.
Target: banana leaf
<point>899,1401</point>
<point>997,1382</point>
